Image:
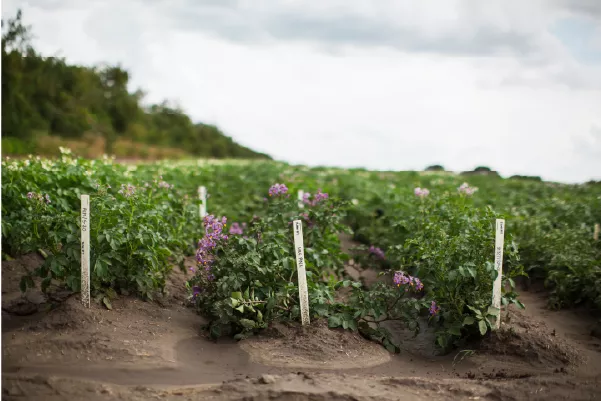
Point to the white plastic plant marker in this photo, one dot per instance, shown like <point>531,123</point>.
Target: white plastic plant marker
<point>85,250</point>
<point>301,195</point>
<point>299,250</point>
<point>496,289</point>
<point>596,232</point>
<point>202,196</point>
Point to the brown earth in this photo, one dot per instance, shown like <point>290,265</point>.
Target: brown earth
<point>55,349</point>
<point>315,346</point>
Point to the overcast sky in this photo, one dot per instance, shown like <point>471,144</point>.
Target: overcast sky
<point>387,84</point>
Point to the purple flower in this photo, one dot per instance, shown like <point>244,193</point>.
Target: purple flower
<point>421,192</point>
<point>319,196</point>
<point>278,189</point>
<point>377,252</point>
<point>418,284</point>
<point>414,283</point>
<point>128,190</point>
<point>39,197</point>
<point>213,234</point>
<point>434,309</point>
<point>163,184</point>
<point>192,269</point>
<point>195,291</point>
<point>236,229</point>
<point>400,279</point>
<point>466,189</point>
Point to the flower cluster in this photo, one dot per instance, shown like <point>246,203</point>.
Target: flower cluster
<point>39,197</point>
<point>466,189</point>
<point>127,190</point>
<point>401,279</point>
<point>318,197</point>
<point>164,184</point>
<point>434,309</point>
<point>421,192</point>
<point>237,229</point>
<point>278,189</point>
<point>377,252</point>
<point>214,234</point>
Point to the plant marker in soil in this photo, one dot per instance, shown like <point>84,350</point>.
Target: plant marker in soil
<point>596,232</point>
<point>496,289</point>
<point>202,208</point>
<point>301,195</point>
<point>85,250</point>
<point>302,275</point>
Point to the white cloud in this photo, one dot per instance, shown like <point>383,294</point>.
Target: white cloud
<point>456,84</point>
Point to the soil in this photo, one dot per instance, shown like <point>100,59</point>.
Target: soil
<point>295,346</point>
<point>55,349</point>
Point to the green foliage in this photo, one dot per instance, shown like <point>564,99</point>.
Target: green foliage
<point>445,238</point>
<point>450,246</point>
<point>250,280</point>
<point>137,234</point>
<point>48,95</point>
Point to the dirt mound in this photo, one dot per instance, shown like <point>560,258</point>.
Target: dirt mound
<point>315,346</point>
<point>532,341</point>
<point>305,387</point>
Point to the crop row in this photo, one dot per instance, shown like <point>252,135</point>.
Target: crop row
<point>431,234</point>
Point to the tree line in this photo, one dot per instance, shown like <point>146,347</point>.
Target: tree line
<point>47,97</point>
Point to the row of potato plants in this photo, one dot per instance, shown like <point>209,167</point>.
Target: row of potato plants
<point>436,243</point>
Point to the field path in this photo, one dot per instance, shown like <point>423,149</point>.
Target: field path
<point>142,351</point>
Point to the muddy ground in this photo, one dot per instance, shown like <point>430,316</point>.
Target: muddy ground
<point>54,349</point>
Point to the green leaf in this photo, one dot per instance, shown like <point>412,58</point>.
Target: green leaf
<point>511,283</point>
<point>247,323</point>
<point>107,303</point>
<point>235,302</point>
<point>215,331</point>
<point>390,347</point>
<point>493,311</point>
<point>334,321</point>
<point>46,283</point>
<point>482,326</point>
<point>237,295</point>
<point>468,321</point>
<point>454,331</point>
<point>240,309</point>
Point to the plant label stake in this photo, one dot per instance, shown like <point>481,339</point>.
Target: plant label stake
<point>302,274</point>
<point>85,250</point>
<point>496,290</point>
<point>301,195</point>
<point>596,232</point>
<point>202,208</point>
